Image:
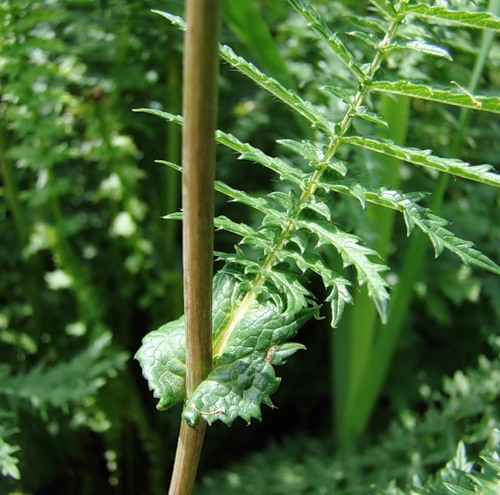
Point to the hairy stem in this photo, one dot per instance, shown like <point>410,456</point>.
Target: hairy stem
<point>198,143</point>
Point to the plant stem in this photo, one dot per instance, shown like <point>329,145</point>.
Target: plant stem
<point>198,149</point>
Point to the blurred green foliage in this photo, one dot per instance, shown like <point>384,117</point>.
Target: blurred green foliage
<point>89,266</point>
<point>402,459</point>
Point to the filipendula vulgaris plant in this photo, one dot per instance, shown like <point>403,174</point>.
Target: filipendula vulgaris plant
<point>260,295</point>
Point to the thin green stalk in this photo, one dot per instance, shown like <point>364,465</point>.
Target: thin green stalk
<point>198,150</point>
<point>414,259</point>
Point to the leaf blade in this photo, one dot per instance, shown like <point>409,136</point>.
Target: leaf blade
<point>447,97</point>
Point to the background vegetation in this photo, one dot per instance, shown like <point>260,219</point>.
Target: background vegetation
<point>89,266</point>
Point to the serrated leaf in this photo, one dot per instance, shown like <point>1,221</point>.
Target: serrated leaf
<point>373,23</point>
<point>67,382</point>
<point>458,490</point>
<point>277,354</point>
<point>353,253</point>
<point>478,20</point>
<point>317,205</point>
<point>386,7</point>
<point>248,152</point>
<point>289,97</point>
<point>287,201</point>
<point>422,47</point>
<point>431,225</point>
<point>258,203</point>
<point>338,297</point>
<point>368,38</point>
<point>292,291</point>
<point>244,377</point>
<point>174,19</point>
<point>337,285</point>
<point>424,158</point>
<point>250,236</point>
<point>314,155</point>
<point>306,149</point>
<point>270,84</point>
<point>445,96</point>
<point>238,258</point>
<point>318,25</point>
<point>339,93</point>
<point>162,355</point>
<point>8,462</point>
<point>365,114</point>
<point>169,117</point>
<point>171,165</point>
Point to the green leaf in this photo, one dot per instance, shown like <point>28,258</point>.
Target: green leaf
<point>424,158</point>
<point>8,462</point>
<point>337,285</point>
<point>174,19</point>
<point>314,155</point>
<point>340,93</point>
<point>367,38</point>
<point>363,113</point>
<point>353,253</point>
<point>315,203</point>
<point>245,20</point>
<point>431,14</point>
<point>386,7</point>
<point>259,203</point>
<point>244,376</point>
<point>162,355</point>
<point>447,97</point>
<point>287,96</point>
<point>433,226</point>
<point>67,382</point>
<point>416,215</point>
<point>318,25</point>
<point>458,490</point>
<point>422,47</point>
<point>248,152</point>
<point>241,229</point>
